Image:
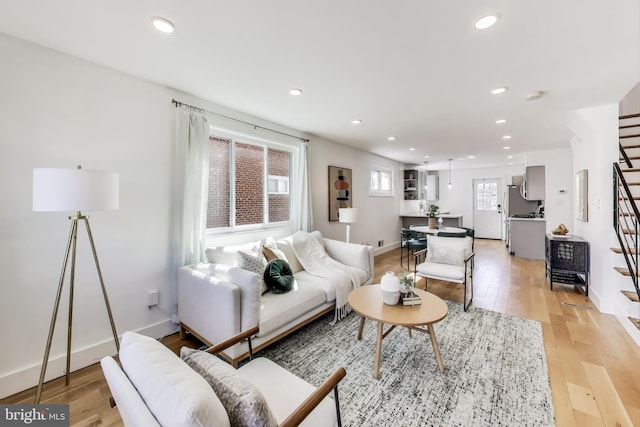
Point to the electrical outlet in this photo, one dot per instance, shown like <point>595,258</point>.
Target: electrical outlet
<point>380,243</point>
<point>152,298</point>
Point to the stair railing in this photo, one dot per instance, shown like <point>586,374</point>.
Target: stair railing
<point>626,223</point>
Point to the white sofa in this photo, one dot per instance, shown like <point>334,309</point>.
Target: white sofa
<point>154,387</point>
<point>217,300</point>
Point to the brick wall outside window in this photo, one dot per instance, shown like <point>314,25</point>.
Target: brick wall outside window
<point>279,205</point>
<point>249,184</point>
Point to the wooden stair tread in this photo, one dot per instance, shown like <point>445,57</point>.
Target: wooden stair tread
<point>635,125</point>
<point>633,296</point>
<point>628,116</point>
<point>629,136</point>
<point>628,231</point>
<point>632,251</point>
<point>629,146</point>
<point>630,170</point>
<point>635,321</point>
<point>622,270</point>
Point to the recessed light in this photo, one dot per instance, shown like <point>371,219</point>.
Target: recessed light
<point>392,138</point>
<point>295,91</point>
<point>506,147</point>
<point>426,157</point>
<point>412,149</point>
<point>506,137</point>
<point>486,22</point>
<point>499,90</point>
<point>471,157</point>
<point>356,122</point>
<point>162,24</point>
<point>509,157</point>
<point>501,121</point>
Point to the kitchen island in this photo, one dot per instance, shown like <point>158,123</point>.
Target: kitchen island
<point>527,237</point>
<point>416,218</point>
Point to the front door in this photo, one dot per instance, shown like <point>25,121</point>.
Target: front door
<point>487,208</point>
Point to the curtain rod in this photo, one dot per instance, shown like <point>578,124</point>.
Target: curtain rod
<point>202,110</point>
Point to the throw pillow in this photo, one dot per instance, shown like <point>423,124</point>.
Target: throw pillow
<point>245,405</point>
<point>253,261</point>
<point>269,254</point>
<point>446,255</point>
<point>278,276</point>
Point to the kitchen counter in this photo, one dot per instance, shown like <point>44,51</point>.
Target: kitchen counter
<point>416,218</point>
<point>527,237</point>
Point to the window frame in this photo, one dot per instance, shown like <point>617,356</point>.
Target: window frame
<point>294,159</point>
<point>382,193</point>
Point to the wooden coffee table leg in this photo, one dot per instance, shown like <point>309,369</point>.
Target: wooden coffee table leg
<point>376,365</point>
<point>361,327</point>
<point>436,349</point>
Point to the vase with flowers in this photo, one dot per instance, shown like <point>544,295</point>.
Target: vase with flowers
<point>433,213</point>
<point>407,295</point>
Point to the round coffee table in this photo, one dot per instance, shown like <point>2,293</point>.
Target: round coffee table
<point>367,302</point>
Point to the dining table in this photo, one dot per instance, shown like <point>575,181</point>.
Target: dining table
<point>435,231</point>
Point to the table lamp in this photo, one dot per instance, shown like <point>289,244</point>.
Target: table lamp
<point>348,216</point>
<point>73,190</point>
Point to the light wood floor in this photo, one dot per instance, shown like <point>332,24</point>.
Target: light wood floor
<point>594,366</point>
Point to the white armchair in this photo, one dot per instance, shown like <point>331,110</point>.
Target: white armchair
<point>449,259</point>
<point>155,387</point>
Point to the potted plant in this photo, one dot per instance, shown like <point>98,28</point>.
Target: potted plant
<point>407,296</point>
<point>433,213</point>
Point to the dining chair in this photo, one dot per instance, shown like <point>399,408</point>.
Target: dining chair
<point>411,242</point>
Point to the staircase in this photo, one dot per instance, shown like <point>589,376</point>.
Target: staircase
<point>626,215</point>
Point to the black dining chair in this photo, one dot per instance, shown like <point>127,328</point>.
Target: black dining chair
<point>411,242</point>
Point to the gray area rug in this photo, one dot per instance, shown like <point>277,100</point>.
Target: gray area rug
<point>495,370</point>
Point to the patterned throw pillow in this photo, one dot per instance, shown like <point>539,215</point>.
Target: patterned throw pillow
<point>253,261</point>
<point>278,276</point>
<point>245,405</point>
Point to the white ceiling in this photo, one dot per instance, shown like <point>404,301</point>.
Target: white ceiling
<point>414,69</point>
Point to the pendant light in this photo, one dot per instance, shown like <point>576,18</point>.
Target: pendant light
<point>449,174</point>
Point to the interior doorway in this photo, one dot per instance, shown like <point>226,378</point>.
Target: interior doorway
<point>487,208</point>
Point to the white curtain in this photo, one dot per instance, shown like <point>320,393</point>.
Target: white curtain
<point>305,217</point>
<point>190,187</point>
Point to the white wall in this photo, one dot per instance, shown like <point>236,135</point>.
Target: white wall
<point>378,216</point>
<point>59,111</point>
<point>595,148</point>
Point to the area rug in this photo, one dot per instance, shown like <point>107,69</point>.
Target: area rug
<point>495,371</point>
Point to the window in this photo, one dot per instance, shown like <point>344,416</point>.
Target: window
<point>249,183</point>
<point>381,183</point>
<point>487,196</point>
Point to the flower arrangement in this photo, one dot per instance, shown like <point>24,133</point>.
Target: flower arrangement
<point>406,282</point>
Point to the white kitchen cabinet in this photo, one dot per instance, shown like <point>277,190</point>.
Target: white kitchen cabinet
<point>534,183</point>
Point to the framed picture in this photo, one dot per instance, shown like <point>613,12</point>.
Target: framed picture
<point>340,194</point>
<point>582,195</point>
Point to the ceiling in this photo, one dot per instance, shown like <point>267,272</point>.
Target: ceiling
<point>414,69</point>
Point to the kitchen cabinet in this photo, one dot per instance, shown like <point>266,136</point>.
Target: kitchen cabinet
<point>567,261</point>
<point>526,237</point>
<point>534,183</point>
<point>411,184</point>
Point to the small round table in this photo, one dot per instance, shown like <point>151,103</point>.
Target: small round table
<point>426,230</point>
<point>367,302</point>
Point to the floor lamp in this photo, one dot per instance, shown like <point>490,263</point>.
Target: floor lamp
<point>73,190</point>
<point>348,216</point>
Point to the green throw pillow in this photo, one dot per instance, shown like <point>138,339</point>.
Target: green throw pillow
<point>278,276</point>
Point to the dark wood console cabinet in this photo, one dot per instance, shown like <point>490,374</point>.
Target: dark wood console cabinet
<point>567,261</point>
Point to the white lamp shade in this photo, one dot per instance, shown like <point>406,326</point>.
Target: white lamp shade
<point>62,190</point>
<point>348,215</point>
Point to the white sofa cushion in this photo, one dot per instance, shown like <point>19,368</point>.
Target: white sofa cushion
<point>227,254</point>
<point>284,391</point>
<point>279,309</point>
<point>244,403</point>
<point>448,250</point>
<point>286,246</point>
<point>446,272</point>
<point>173,392</point>
<point>305,279</point>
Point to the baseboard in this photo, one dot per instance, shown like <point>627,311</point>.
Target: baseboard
<point>630,328</point>
<point>22,379</point>
<point>386,248</point>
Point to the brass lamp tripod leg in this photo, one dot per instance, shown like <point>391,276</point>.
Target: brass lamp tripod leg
<point>71,250</point>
